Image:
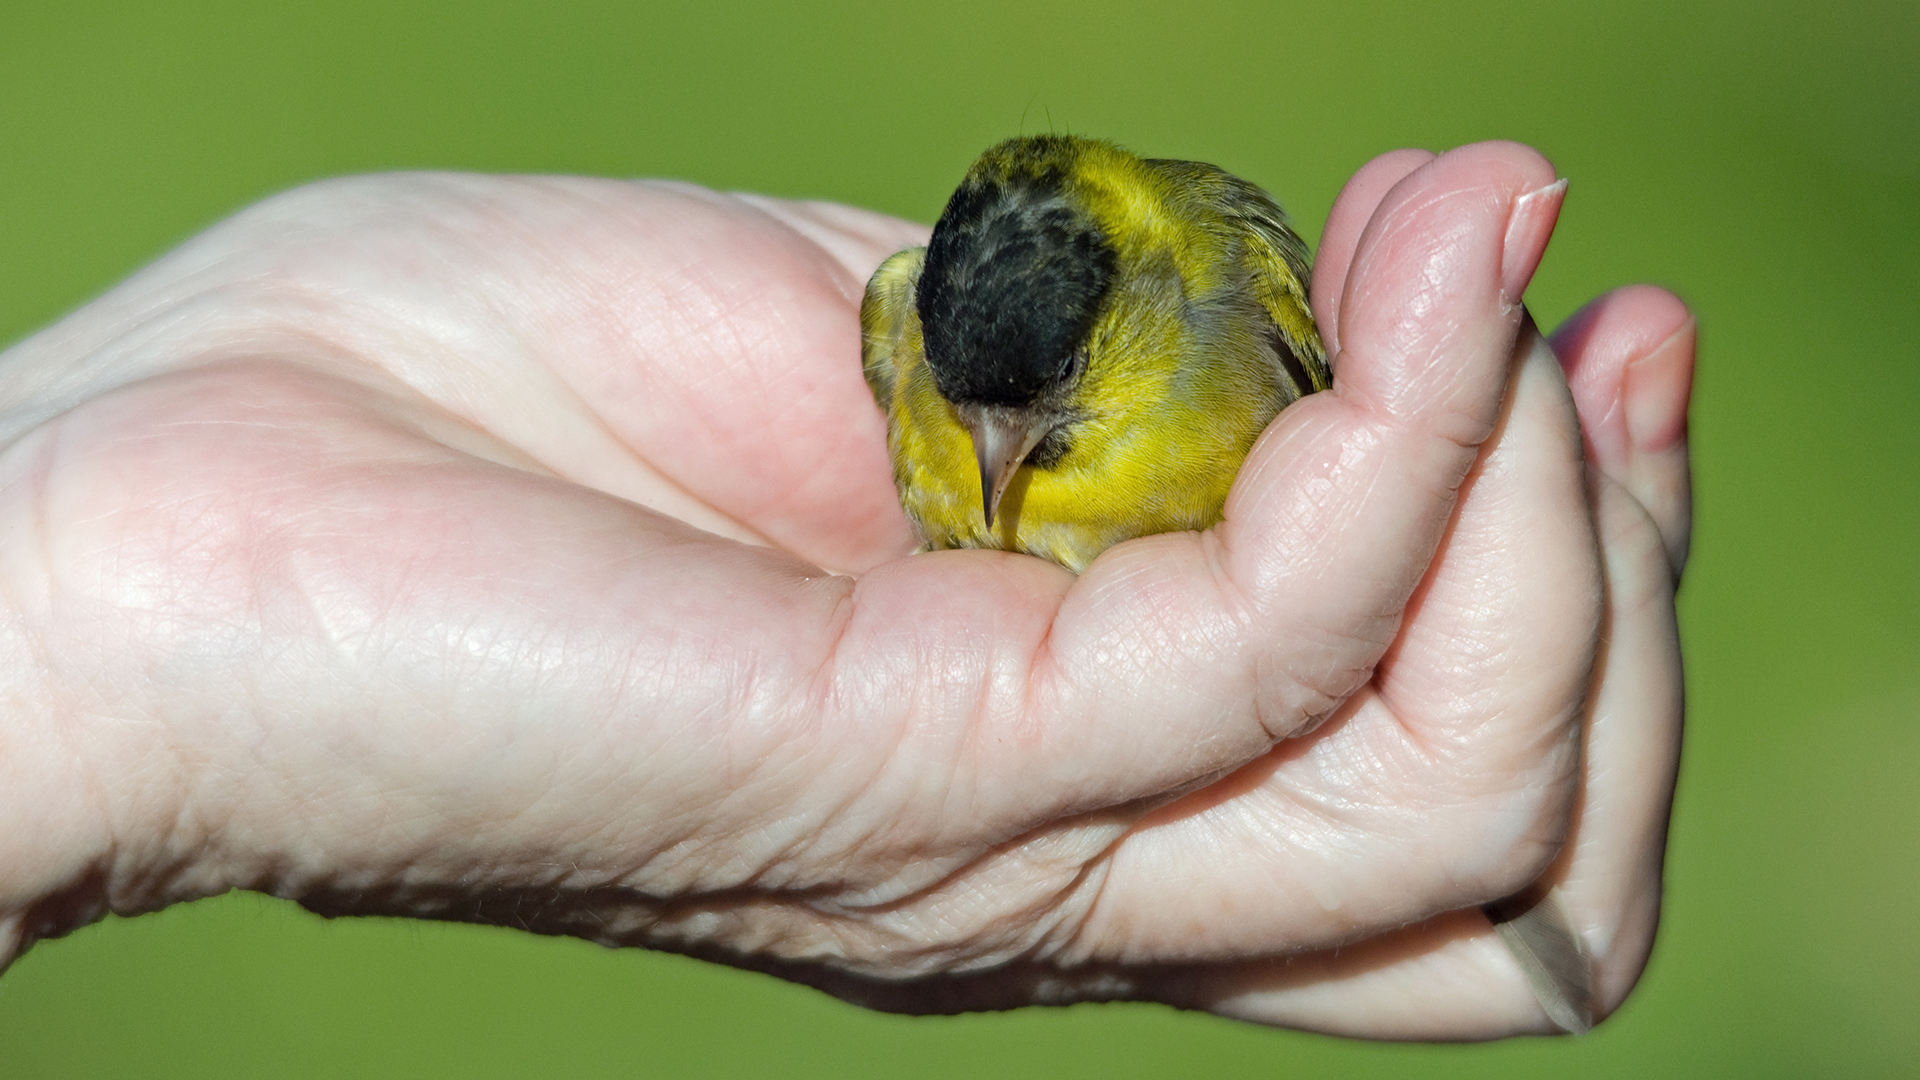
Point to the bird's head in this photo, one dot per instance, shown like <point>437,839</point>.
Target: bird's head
<point>1014,280</point>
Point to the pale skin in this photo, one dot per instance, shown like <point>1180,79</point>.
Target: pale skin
<point>453,546</point>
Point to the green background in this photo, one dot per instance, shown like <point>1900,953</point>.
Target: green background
<point>1764,165</point>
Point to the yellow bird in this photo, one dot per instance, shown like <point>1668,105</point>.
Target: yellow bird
<point>1086,349</point>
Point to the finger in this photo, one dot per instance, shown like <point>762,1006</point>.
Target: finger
<point>1341,504</point>
<point>1444,784</point>
<point>1613,878</point>
<point>1350,214</point>
<point>1449,979</point>
<point>1629,357</point>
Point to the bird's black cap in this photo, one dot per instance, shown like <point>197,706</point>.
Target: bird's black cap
<point>1013,280</point>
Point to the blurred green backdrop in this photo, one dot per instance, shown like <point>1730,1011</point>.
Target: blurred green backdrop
<point>1765,164</point>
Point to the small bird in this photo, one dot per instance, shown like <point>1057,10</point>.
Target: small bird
<point>1083,353</point>
<point>1086,349</point>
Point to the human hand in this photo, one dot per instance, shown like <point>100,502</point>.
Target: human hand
<point>446,546</point>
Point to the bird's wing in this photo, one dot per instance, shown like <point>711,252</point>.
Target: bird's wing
<point>1282,273</point>
<point>885,312</point>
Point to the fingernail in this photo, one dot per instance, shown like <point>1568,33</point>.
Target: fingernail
<point>1656,388</point>
<point>1528,228</point>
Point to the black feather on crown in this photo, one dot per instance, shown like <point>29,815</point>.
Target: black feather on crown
<point>1013,280</point>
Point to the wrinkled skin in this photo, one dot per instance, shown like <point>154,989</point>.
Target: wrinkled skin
<point>451,546</point>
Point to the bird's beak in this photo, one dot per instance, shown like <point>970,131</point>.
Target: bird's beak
<point>1001,442</point>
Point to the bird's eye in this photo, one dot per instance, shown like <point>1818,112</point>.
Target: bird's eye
<point>1070,367</point>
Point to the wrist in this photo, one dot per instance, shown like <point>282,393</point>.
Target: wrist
<point>92,784</point>
<point>61,862</point>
